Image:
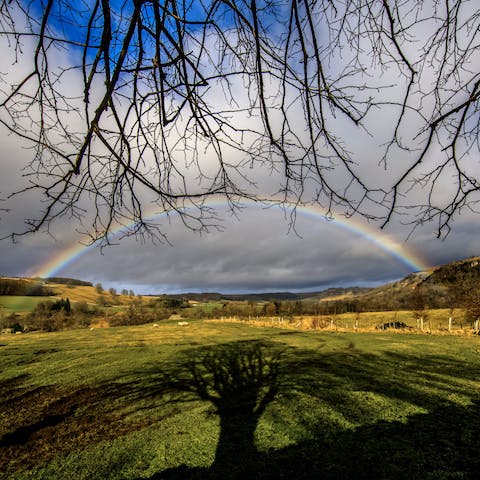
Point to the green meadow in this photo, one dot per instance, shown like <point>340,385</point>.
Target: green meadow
<point>19,304</point>
<point>231,400</point>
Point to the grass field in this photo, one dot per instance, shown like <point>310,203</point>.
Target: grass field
<point>76,293</point>
<point>231,400</point>
<point>19,304</point>
<point>24,304</point>
<point>434,320</point>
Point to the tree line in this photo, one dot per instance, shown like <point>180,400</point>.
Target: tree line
<point>68,281</point>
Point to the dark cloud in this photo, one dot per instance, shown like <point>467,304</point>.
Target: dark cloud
<point>254,253</point>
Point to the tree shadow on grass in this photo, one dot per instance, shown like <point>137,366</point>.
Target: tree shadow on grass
<point>239,379</point>
<point>442,444</point>
<point>247,379</point>
<point>45,422</point>
<point>40,423</point>
<point>439,444</point>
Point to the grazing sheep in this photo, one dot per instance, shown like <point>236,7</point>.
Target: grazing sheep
<point>182,324</point>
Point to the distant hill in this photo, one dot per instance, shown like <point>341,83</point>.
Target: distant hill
<point>433,285</point>
<point>432,288</point>
<point>23,287</point>
<point>272,296</point>
<point>429,288</point>
<point>338,293</point>
<point>454,272</point>
<point>56,287</point>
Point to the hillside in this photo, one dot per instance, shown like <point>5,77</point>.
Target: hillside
<point>81,293</point>
<point>432,284</point>
<point>333,294</point>
<point>330,293</point>
<point>35,290</point>
<point>433,288</point>
<point>454,272</point>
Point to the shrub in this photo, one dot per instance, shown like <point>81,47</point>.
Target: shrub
<point>52,316</point>
<point>394,325</point>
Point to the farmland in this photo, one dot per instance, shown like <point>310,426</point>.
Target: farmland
<point>219,399</point>
<point>19,303</point>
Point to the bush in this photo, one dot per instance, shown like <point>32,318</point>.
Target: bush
<point>11,322</point>
<point>319,322</point>
<point>52,316</point>
<point>138,314</point>
<point>394,325</point>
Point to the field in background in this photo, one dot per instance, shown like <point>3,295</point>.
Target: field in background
<point>115,309</point>
<point>140,402</point>
<point>75,293</point>
<point>434,320</point>
<point>19,304</point>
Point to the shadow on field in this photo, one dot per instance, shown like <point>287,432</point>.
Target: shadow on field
<point>328,394</point>
<point>439,445</point>
<point>241,379</point>
<point>39,423</point>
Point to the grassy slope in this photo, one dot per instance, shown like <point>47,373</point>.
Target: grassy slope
<point>75,293</point>
<point>80,293</point>
<point>122,403</point>
<point>19,304</point>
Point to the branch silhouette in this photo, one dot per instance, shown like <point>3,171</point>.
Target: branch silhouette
<point>166,103</point>
<point>240,379</point>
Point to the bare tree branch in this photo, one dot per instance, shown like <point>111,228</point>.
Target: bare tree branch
<point>163,104</point>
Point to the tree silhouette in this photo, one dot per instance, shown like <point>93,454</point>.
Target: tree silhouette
<point>240,379</point>
<point>134,103</point>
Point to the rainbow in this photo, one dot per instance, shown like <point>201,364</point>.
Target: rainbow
<point>398,250</point>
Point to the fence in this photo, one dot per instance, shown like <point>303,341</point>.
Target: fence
<point>438,321</point>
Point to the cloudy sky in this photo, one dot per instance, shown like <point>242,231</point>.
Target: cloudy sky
<point>257,249</point>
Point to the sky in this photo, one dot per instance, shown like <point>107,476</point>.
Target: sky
<point>256,250</point>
